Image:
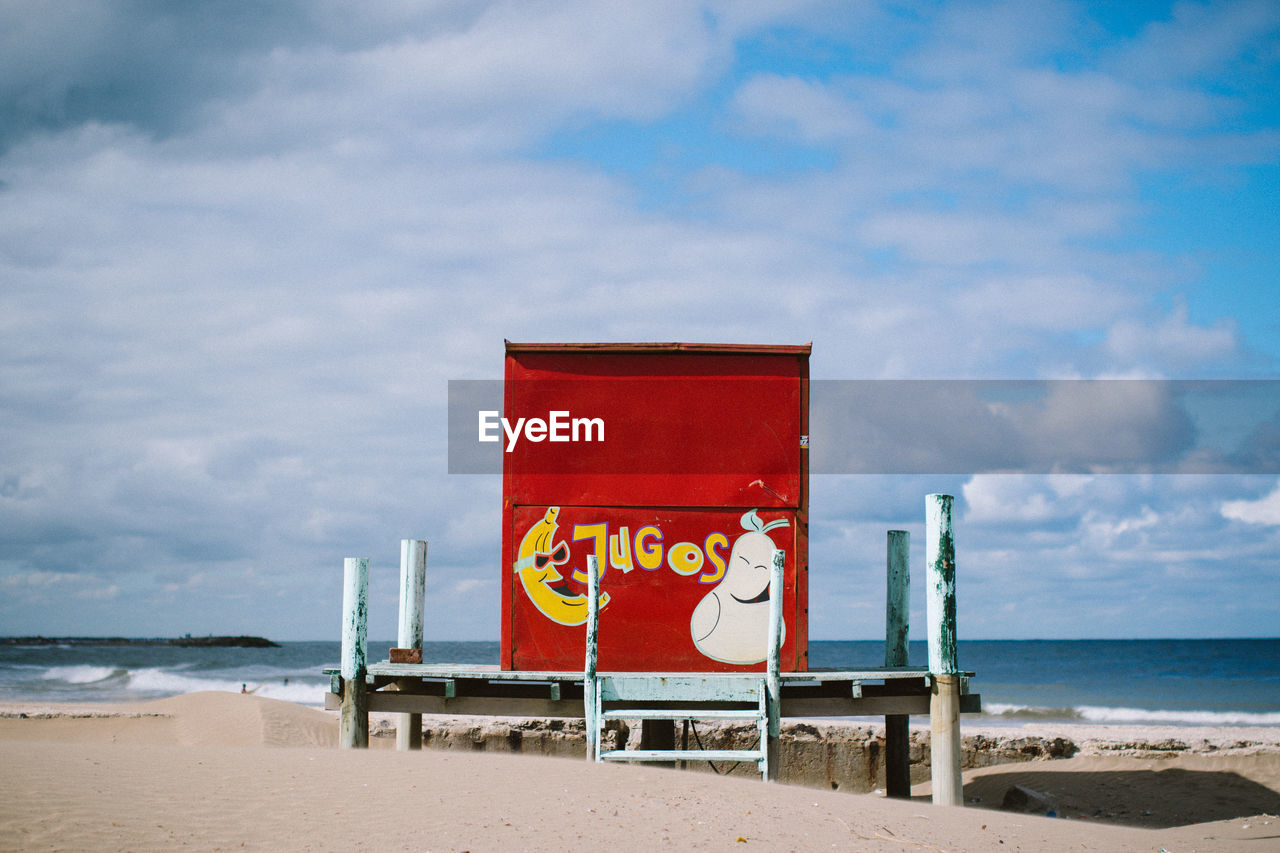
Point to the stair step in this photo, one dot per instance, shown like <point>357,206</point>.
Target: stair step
<point>681,714</point>
<point>681,688</point>
<point>682,755</point>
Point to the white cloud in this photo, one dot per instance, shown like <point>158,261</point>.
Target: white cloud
<point>790,106</point>
<point>1058,302</point>
<point>1001,498</point>
<point>1200,38</point>
<point>1106,530</point>
<point>1264,510</point>
<point>1105,423</point>
<point>102,594</point>
<point>38,579</point>
<point>234,289</point>
<point>470,586</point>
<point>1172,341</point>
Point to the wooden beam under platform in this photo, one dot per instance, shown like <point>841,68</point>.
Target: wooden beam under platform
<point>485,690</point>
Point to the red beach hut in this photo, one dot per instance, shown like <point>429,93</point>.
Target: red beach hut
<point>681,467</point>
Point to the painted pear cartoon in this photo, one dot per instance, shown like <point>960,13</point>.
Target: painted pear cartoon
<point>731,623</point>
<point>547,589</point>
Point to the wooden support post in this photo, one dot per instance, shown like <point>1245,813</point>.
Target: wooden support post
<point>353,729</point>
<point>413,579</point>
<point>592,722</point>
<point>940,602</point>
<point>773,664</point>
<point>897,730</point>
<point>944,741</point>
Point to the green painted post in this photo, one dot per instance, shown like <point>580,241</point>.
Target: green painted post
<point>413,579</point>
<point>897,730</point>
<point>944,701</point>
<point>353,729</point>
<point>592,722</point>
<point>897,610</point>
<point>773,664</point>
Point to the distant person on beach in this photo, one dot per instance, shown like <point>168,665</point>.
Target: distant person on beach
<point>242,688</point>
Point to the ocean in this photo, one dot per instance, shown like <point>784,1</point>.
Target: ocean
<point>1165,682</point>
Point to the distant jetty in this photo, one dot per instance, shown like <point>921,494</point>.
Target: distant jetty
<point>187,641</point>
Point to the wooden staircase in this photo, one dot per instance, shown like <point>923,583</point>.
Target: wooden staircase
<point>699,697</point>
<point>694,696</point>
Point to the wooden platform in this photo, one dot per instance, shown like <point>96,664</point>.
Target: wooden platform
<point>464,689</point>
<point>655,699</point>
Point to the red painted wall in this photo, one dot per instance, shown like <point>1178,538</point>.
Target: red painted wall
<point>702,470</point>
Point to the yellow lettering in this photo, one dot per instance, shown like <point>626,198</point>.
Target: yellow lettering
<point>685,558</point>
<point>649,557</point>
<point>714,541</point>
<point>620,550</point>
<point>598,532</point>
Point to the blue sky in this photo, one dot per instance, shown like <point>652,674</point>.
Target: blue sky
<point>244,248</point>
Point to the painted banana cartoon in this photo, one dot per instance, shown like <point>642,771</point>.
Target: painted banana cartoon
<point>547,589</point>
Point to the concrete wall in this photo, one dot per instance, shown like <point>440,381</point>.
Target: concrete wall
<point>837,756</point>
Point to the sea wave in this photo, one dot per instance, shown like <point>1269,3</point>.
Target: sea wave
<point>1119,716</point>
<point>171,682</point>
<point>87,682</point>
<point>82,673</point>
<point>167,682</point>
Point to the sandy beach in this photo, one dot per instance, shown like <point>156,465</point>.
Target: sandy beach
<point>223,771</point>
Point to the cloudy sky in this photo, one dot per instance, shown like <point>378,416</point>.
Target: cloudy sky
<point>244,247</point>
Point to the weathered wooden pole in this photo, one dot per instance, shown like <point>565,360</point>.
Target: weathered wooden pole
<point>773,664</point>
<point>353,728</point>
<point>897,617</point>
<point>589,669</point>
<point>944,702</point>
<point>413,580</point>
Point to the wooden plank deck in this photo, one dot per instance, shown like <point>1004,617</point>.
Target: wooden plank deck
<point>386,669</point>
<point>447,688</point>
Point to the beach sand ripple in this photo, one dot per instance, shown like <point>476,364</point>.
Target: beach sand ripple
<point>226,771</point>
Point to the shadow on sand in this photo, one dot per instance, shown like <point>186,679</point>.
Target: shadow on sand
<point>1155,799</point>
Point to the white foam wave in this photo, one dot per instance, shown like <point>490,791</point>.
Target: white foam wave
<point>1095,714</point>
<point>168,682</point>
<point>1003,710</point>
<point>80,674</point>
<point>1119,716</point>
<point>297,692</point>
<point>156,680</point>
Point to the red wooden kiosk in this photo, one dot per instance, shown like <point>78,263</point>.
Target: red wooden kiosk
<point>690,464</point>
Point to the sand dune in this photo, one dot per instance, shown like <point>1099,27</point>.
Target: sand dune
<point>226,771</point>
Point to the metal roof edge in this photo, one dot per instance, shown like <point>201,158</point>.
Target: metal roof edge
<point>660,347</point>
